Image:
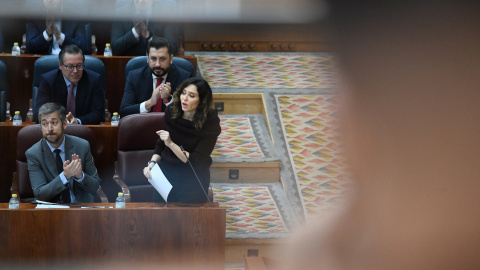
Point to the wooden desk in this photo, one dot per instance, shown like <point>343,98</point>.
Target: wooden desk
<point>20,79</point>
<point>177,236</point>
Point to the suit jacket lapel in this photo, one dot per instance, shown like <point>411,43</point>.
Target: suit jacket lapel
<point>147,75</point>
<point>60,92</point>
<point>49,158</point>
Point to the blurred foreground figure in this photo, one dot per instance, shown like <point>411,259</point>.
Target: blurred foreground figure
<point>410,112</point>
<point>50,35</point>
<point>132,37</point>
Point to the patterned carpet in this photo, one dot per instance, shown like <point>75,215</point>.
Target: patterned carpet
<point>244,138</point>
<point>300,100</point>
<point>255,210</point>
<point>260,70</point>
<point>309,126</point>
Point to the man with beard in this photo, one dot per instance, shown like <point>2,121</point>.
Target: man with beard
<point>149,89</point>
<point>61,167</point>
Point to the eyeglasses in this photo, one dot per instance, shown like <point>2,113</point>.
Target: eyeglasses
<point>70,68</point>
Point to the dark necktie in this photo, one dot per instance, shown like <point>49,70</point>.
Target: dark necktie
<point>71,99</point>
<point>158,107</point>
<point>59,162</point>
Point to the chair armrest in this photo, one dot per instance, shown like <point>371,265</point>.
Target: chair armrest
<point>121,184</point>
<point>100,196</point>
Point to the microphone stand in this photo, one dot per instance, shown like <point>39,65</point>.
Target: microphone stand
<point>188,160</point>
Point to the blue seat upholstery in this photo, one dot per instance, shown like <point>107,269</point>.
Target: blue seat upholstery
<point>3,91</point>
<point>141,61</point>
<point>50,62</point>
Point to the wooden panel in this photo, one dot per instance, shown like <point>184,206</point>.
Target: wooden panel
<point>255,263</point>
<point>236,250</point>
<point>240,103</point>
<point>256,37</point>
<point>175,236</point>
<point>249,172</point>
<point>19,82</point>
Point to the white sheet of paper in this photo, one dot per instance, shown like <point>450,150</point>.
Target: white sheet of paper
<point>43,206</point>
<point>160,182</point>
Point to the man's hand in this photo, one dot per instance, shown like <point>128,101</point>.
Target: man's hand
<point>153,99</point>
<point>57,32</point>
<point>71,119</point>
<point>139,26</point>
<point>49,24</point>
<point>145,33</point>
<point>165,90</point>
<point>73,168</point>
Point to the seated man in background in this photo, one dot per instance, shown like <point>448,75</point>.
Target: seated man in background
<point>149,89</point>
<point>61,167</point>
<point>78,89</point>
<point>50,35</point>
<point>131,37</point>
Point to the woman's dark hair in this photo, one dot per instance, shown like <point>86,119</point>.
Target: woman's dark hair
<point>204,105</point>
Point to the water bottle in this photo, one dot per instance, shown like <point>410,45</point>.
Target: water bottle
<point>15,49</point>
<point>29,117</point>
<point>17,119</point>
<point>108,51</point>
<point>115,119</point>
<point>120,201</point>
<point>8,117</point>
<point>14,203</point>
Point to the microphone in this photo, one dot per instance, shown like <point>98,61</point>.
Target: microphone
<point>204,192</point>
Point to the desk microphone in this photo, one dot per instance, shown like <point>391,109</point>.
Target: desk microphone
<point>206,195</point>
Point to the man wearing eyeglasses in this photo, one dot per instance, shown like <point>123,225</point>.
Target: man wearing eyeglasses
<point>78,89</point>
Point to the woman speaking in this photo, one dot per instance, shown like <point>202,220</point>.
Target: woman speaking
<point>191,123</point>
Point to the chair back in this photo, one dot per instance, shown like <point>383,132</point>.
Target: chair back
<point>50,62</point>
<point>26,138</point>
<point>3,91</point>
<point>141,61</point>
<point>136,138</point>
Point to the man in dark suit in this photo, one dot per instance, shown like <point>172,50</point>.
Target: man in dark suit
<point>78,89</point>
<point>61,167</point>
<point>131,37</point>
<point>149,89</point>
<point>49,36</point>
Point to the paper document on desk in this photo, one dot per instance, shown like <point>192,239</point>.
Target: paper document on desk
<point>160,182</point>
<point>43,206</point>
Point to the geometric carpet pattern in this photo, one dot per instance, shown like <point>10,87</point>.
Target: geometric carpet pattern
<point>297,89</point>
<point>244,138</point>
<point>309,126</point>
<point>253,210</point>
<point>260,70</point>
<point>237,139</point>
